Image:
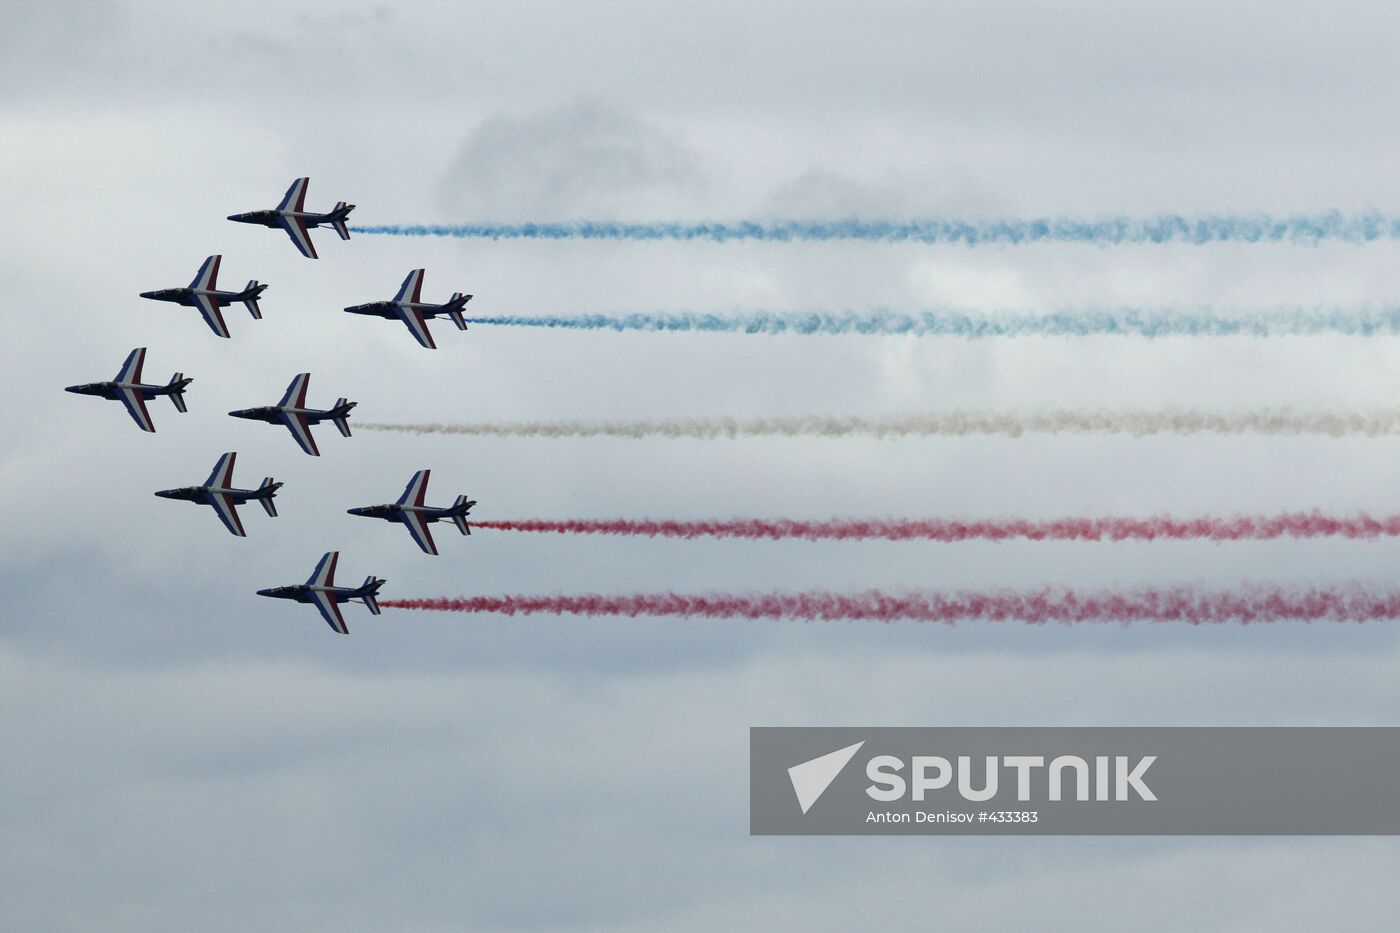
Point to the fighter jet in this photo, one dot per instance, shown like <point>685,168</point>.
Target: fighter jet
<point>218,491</point>
<point>292,216</point>
<point>321,591</point>
<point>132,392</point>
<point>293,413</point>
<point>203,293</point>
<point>406,306</point>
<point>410,510</point>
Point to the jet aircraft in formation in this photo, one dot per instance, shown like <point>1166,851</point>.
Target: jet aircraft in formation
<point>293,217</point>
<point>408,306</point>
<point>218,491</point>
<point>410,511</point>
<point>320,590</point>
<point>292,413</point>
<point>133,393</point>
<point>203,293</point>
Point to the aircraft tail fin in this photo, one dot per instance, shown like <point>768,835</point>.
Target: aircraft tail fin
<point>343,410</point>
<point>454,311</point>
<point>266,502</point>
<point>178,396</point>
<point>460,508</point>
<point>369,593</point>
<point>338,217</point>
<point>249,297</point>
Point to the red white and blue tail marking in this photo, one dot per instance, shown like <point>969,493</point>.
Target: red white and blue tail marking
<point>338,224</point>
<point>177,397</point>
<point>341,424</point>
<point>252,303</point>
<point>459,519</point>
<point>266,502</point>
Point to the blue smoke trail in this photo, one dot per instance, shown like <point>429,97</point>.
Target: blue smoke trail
<point>1124,322</point>
<point>1166,228</point>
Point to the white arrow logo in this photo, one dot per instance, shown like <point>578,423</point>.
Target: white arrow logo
<point>811,778</point>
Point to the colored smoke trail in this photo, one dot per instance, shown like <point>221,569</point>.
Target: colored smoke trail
<point>1167,228</point>
<point>1238,528</point>
<point>1083,323</point>
<point>1191,605</point>
<point>1137,423</point>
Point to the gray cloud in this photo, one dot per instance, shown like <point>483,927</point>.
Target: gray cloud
<point>583,159</point>
<point>200,758</point>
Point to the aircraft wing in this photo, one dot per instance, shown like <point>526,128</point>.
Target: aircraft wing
<point>295,396</point>
<point>131,369</point>
<point>330,611</point>
<point>418,528</point>
<point>295,198</point>
<point>225,508</point>
<point>301,431</point>
<point>301,236</point>
<point>324,574</point>
<point>411,288</point>
<point>209,308</point>
<point>416,489</point>
<point>136,407</point>
<point>208,275</point>
<point>222,475</point>
<point>417,326</point>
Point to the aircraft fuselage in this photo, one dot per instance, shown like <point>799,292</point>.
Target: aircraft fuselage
<point>271,413</point>
<point>273,218</point>
<point>190,296</point>
<point>204,494</point>
<point>392,309</point>
<point>302,592</point>
<point>392,512</point>
<point>112,390</point>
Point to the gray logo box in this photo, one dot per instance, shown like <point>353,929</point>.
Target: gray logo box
<point>1133,781</point>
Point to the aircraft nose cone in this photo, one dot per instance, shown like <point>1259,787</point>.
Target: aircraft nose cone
<point>163,493</point>
<point>73,389</point>
<point>266,592</point>
<point>148,294</point>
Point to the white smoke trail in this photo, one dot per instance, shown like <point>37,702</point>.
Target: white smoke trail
<point>955,423</point>
<point>1165,228</point>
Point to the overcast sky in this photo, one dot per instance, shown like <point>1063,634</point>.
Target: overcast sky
<point>180,754</point>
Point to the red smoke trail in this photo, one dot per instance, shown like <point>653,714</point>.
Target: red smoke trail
<point>1345,603</point>
<point>1239,528</point>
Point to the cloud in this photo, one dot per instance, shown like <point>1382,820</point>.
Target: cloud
<point>199,756</point>
<point>582,159</point>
